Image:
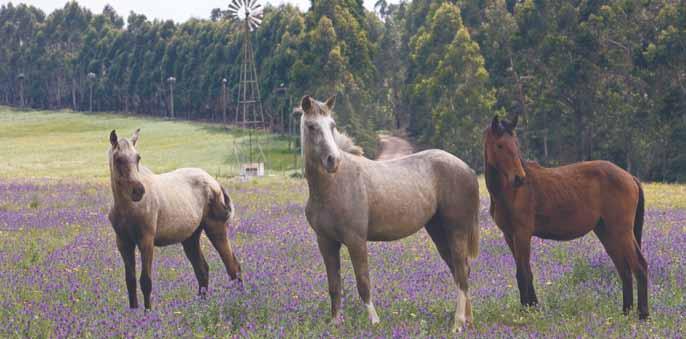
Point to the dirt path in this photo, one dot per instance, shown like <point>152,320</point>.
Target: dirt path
<point>393,147</point>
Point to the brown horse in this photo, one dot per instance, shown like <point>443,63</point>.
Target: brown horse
<point>354,200</point>
<point>564,203</point>
<point>158,210</point>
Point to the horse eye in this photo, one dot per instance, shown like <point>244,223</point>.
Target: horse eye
<point>500,146</point>
<point>310,127</point>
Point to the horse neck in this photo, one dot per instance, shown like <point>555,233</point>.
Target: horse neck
<point>120,198</point>
<point>497,184</point>
<point>320,183</point>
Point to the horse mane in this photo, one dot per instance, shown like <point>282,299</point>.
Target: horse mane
<point>342,140</point>
<point>346,143</point>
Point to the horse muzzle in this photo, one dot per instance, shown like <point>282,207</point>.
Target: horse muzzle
<point>137,192</point>
<point>519,181</point>
<point>331,163</point>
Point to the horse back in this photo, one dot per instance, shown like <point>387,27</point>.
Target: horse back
<point>577,197</point>
<point>186,196</point>
<point>411,190</point>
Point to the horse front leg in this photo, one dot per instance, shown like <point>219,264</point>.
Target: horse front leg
<point>127,249</point>
<point>331,253</point>
<point>147,248</point>
<point>521,246</point>
<point>358,255</point>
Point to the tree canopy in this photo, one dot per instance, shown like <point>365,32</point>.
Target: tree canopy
<point>590,79</point>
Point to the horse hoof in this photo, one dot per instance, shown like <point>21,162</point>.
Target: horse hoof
<point>240,284</point>
<point>374,318</point>
<point>458,326</point>
<point>337,320</point>
<point>372,315</point>
<point>643,316</point>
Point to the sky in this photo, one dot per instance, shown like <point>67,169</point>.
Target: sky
<point>177,10</point>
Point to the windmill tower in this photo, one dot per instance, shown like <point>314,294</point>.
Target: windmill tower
<point>249,112</point>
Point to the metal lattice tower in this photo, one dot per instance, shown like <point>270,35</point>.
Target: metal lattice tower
<point>249,111</point>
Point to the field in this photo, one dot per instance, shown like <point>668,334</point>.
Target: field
<point>40,144</point>
<point>63,277</point>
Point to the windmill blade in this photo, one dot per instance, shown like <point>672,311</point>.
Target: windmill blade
<point>252,3</point>
<point>255,20</point>
<point>234,6</point>
<point>255,7</point>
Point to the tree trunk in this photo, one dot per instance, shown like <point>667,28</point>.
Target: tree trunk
<point>73,95</point>
<point>578,126</point>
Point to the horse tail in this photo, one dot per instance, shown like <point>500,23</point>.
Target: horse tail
<point>228,204</point>
<point>222,206</point>
<point>640,210</point>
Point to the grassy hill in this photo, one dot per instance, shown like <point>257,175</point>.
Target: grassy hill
<point>64,144</point>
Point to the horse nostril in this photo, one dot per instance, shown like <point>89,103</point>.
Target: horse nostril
<point>518,181</point>
<point>330,162</point>
<point>138,193</point>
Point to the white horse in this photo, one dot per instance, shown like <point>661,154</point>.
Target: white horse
<point>354,200</point>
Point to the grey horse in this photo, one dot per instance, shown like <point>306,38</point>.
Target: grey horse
<point>354,200</point>
<point>158,210</point>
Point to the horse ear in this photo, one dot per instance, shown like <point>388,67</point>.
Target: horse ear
<point>134,137</point>
<point>306,104</point>
<point>113,138</point>
<point>331,101</point>
<point>495,125</point>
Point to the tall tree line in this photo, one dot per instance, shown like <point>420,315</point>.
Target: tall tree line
<point>591,79</point>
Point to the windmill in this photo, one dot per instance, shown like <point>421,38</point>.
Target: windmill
<point>249,108</point>
<point>249,112</point>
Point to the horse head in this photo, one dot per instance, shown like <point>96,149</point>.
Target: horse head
<point>318,130</point>
<point>502,150</point>
<point>125,166</point>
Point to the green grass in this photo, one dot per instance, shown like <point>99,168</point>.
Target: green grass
<point>43,264</point>
<point>63,144</point>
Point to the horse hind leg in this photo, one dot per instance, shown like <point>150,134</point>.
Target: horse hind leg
<point>191,247</point>
<point>217,233</point>
<point>640,269</point>
<point>440,238</point>
<point>459,253</point>
<point>627,257</point>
